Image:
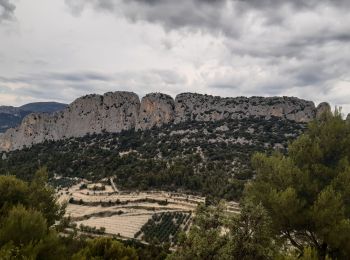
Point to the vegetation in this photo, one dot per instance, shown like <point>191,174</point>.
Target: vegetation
<point>105,248</point>
<point>217,234</point>
<point>93,230</point>
<point>164,227</point>
<point>307,192</point>
<point>212,158</point>
<point>29,213</point>
<point>297,206</point>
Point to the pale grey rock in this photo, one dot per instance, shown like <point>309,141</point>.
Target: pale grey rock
<point>156,109</point>
<point>189,106</point>
<point>322,108</point>
<point>223,128</point>
<point>112,112</point>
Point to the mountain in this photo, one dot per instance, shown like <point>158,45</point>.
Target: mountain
<point>194,143</point>
<point>43,107</point>
<point>115,112</point>
<point>11,117</point>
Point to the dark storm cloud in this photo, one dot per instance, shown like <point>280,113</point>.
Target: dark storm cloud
<point>7,10</point>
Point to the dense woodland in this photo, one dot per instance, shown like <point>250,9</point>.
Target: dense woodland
<point>210,158</point>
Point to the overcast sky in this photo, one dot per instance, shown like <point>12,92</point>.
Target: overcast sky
<point>62,49</point>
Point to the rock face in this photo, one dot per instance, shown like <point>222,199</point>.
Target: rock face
<point>118,111</point>
<point>322,108</point>
<point>112,112</point>
<point>156,109</point>
<point>207,108</point>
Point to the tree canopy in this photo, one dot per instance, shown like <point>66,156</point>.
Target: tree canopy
<point>218,234</point>
<point>307,191</point>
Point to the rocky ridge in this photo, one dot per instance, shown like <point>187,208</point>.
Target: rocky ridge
<point>117,111</point>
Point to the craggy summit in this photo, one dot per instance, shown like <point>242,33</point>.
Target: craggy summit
<point>117,111</point>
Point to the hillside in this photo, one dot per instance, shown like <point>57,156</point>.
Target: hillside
<point>11,117</point>
<point>208,158</point>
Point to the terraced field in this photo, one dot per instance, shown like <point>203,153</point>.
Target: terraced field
<point>126,225</point>
<point>120,213</point>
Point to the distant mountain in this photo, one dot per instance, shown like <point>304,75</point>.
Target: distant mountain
<point>46,107</point>
<point>12,116</point>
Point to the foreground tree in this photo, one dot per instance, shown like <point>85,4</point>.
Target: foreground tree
<point>307,192</point>
<point>106,248</point>
<point>218,234</point>
<point>37,195</point>
<point>27,213</point>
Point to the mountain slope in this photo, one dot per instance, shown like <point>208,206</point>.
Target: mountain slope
<point>209,158</point>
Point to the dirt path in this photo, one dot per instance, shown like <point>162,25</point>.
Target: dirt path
<point>113,185</point>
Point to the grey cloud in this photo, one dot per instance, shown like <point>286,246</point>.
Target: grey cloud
<point>214,15</point>
<point>298,44</point>
<point>277,35</point>
<point>67,86</point>
<point>224,86</point>
<point>7,10</point>
<point>78,77</point>
<point>169,77</point>
<point>200,15</point>
<point>297,4</point>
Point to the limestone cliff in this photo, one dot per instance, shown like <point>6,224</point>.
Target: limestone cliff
<point>112,112</point>
<point>198,107</point>
<point>156,109</point>
<point>118,111</point>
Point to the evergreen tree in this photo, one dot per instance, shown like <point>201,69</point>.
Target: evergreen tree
<point>307,192</point>
<point>106,248</point>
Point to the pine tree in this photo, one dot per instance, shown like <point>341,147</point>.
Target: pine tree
<point>307,191</point>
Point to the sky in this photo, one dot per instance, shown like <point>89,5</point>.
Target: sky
<point>59,50</point>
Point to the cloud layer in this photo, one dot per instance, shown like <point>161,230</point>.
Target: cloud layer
<point>220,47</point>
<point>272,47</point>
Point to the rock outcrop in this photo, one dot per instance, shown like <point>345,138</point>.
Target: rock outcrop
<point>156,109</point>
<point>198,107</point>
<point>118,111</point>
<point>112,112</point>
<point>322,108</point>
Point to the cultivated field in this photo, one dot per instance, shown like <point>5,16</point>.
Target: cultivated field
<point>122,213</point>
